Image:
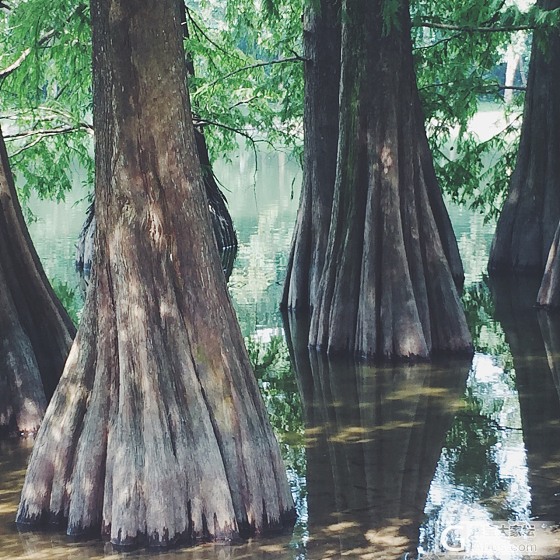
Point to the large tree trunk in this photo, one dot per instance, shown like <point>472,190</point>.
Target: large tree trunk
<point>222,224</point>
<point>321,39</point>
<point>35,331</point>
<point>157,433</point>
<point>528,221</point>
<point>387,287</point>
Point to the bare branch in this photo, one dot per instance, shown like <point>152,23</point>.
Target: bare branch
<point>26,147</point>
<point>475,29</point>
<point>254,141</point>
<point>296,58</point>
<point>514,88</point>
<point>243,102</point>
<point>45,132</point>
<point>14,66</point>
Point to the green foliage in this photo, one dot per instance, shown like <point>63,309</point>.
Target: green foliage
<point>276,378</point>
<point>248,84</point>
<point>454,68</point>
<point>487,334</point>
<point>69,298</point>
<point>476,173</point>
<point>45,100</point>
<point>248,76</point>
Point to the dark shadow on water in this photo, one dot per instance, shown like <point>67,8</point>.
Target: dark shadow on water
<point>374,436</point>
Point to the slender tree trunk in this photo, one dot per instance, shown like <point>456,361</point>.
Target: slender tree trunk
<point>35,330</point>
<point>388,286</point>
<point>531,213</point>
<point>157,433</point>
<point>321,39</point>
<point>513,60</point>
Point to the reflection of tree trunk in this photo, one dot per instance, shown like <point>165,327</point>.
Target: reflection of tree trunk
<point>546,464</point>
<point>538,393</point>
<point>35,330</point>
<point>550,328</point>
<point>374,439</point>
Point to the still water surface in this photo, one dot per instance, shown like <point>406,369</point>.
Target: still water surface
<point>453,459</point>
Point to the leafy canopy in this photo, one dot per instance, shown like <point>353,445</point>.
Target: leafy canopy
<point>248,83</point>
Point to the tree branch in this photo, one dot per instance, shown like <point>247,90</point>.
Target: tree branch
<point>40,43</point>
<point>14,66</point>
<point>44,132</point>
<point>241,132</point>
<point>475,29</point>
<point>295,58</point>
<point>440,42</point>
<point>515,88</point>
<point>205,35</point>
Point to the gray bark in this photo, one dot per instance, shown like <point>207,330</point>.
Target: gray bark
<point>388,285</point>
<point>321,39</point>
<point>157,433</point>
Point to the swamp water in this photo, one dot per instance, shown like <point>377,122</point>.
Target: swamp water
<point>450,460</point>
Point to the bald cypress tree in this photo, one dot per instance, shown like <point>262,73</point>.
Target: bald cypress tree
<point>384,283</point>
<point>157,432</point>
<point>531,212</point>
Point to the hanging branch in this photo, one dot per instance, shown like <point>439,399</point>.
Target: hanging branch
<point>78,11</point>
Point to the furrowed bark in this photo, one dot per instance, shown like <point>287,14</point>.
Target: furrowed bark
<point>222,224</point>
<point>549,292</point>
<point>157,434</point>
<point>321,37</point>
<point>35,330</point>
<point>388,288</point>
<point>531,212</point>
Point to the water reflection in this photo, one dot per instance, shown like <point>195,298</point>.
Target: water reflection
<point>374,436</point>
<point>16,545</point>
<point>374,439</point>
<point>534,340</point>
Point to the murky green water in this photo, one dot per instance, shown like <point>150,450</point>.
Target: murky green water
<point>451,460</point>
